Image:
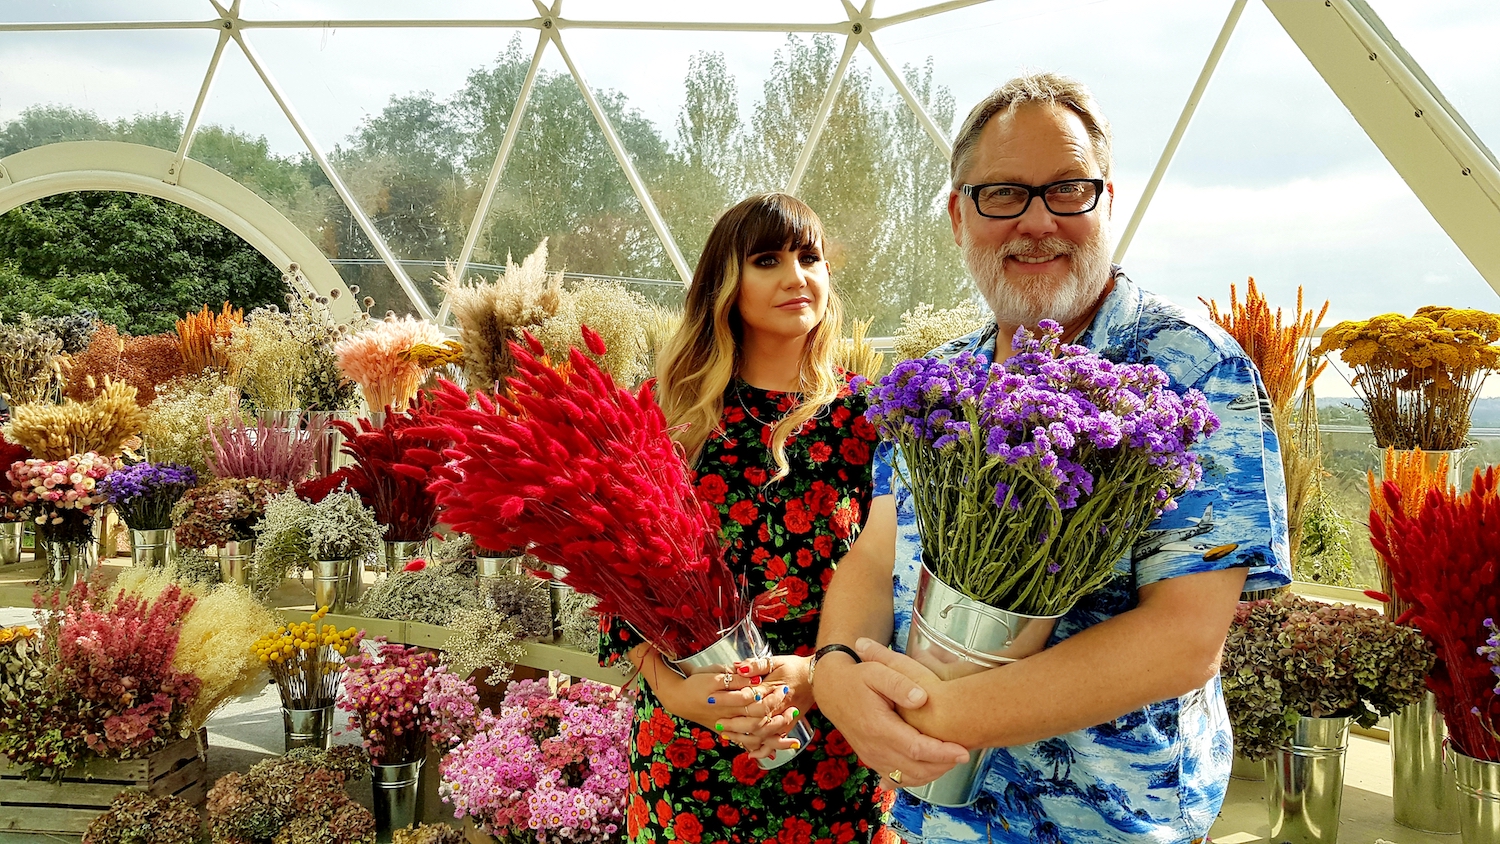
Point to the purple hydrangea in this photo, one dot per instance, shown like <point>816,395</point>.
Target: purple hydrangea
<point>143,494</point>
<point>1028,445</point>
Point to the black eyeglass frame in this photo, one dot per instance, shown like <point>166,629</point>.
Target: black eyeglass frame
<point>1032,192</point>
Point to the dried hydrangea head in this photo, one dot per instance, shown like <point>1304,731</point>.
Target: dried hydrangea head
<point>136,816</point>
<point>103,425</point>
<point>925,327</point>
<point>490,314</point>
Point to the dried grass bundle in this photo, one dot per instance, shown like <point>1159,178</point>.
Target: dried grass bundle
<point>619,315</point>
<point>58,431</point>
<point>202,337</point>
<point>660,328</point>
<point>372,358</point>
<point>29,367</point>
<point>490,314</point>
<point>279,454</point>
<point>142,362</point>
<point>1415,473</point>
<point>176,428</point>
<point>1281,350</point>
<point>924,328</point>
<point>857,355</point>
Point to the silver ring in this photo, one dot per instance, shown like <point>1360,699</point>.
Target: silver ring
<point>727,682</point>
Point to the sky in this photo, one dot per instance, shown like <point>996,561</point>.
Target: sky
<point>1274,179</point>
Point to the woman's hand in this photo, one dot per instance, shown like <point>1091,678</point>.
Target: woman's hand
<point>787,697</point>
<point>731,705</point>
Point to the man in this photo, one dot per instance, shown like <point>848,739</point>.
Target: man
<point>1117,731</point>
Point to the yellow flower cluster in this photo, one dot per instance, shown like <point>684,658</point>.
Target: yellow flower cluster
<point>428,356</point>
<point>57,431</point>
<point>10,634</point>
<point>1436,345</point>
<point>288,640</point>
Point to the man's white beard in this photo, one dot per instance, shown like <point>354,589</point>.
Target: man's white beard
<point>1019,299</point>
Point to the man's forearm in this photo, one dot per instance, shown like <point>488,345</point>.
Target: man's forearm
<point>858,599</point>
<point>1157,651</point>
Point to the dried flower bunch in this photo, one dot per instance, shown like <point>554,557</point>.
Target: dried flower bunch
<point>61,496</point>
<point>307,660</point>
<point>110,687</point>
<point>492,314</point>
<point>284,455</point>
<point>427,833</point>
<point>857,355</point>
<point>372,358</point>
<point>1280,349</point>
<point>1290,656</point>
<point>1418,377</point>
<point>296,532</point>
<point>74,330</point>
<point>482,638</point>
<point>431,357</point>
<point>102,425</point>
<point>29,367</point>
<point>524,599</point>
<point>1415,474</point>
<point>1441,562</point>
<point>299,798</point>
<point>661,326</point>
<point>425,594</point>
<point>549,767</point>
<point>619,315</point>
<point>203,337</point>
<point>578,623</point>
<point>925,328</point>
<point>142,362</point>
<point>176,427</point>
<point>399,697</point>
<point>145,493</point>
<point>265,358</point>
<point>619,512</point>
<point>136,817</point>
<point>11,454</point>
<point>385,472</point>
<point>222,511</point>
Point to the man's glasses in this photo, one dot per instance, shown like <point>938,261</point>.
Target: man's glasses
<point>1006,200</point>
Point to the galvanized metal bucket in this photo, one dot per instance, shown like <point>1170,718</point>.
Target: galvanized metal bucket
<point>1478,785</point>
<point>307,727</point>
<point>235,558</point>
<point>150,548</point>
<point>1306,777</point>
<point>1423,794</point>
<point>955,635</point>
<point>739,643</point>
<point>331,584</point>
<point>395,792</point>
<point>395,555</point>
<point>10,542</point>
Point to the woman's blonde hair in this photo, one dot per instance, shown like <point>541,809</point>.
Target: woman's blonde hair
<point>703,356</point>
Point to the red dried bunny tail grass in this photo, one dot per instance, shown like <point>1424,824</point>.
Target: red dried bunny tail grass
<point>392,468</point>
<point>582,473</point>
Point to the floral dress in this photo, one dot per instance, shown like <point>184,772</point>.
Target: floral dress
<point>687,784</point>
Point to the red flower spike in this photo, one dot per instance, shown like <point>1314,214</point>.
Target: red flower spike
<point>533,344</point>
<point>416,564</point>
<point>592,339</point>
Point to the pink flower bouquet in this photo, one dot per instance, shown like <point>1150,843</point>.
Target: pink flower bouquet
<point>62,495</point>
<point>399,697</point>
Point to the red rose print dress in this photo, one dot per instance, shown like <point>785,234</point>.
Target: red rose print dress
<point>687,785</point>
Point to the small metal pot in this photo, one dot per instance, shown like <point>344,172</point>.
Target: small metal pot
<point>307,727</point>
<point>235,558</point>
<point>1306,777</point>
<point>151,547</point>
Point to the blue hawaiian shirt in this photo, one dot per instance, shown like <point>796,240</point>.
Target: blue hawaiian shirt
<point>1157,774</point>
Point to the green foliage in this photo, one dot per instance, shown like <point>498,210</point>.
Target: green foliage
<point>1289,657</point>
<point>138,261</point>
<point>1325,555</point>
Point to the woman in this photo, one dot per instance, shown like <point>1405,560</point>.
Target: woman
<point>781,448</point>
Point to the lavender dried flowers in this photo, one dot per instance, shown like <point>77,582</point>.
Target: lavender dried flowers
<point>28,364</point>
<point>222,511</point>
<point>136,817</point>
<point>490,314</point>
<point>102,425</point>
<point>277,454</point>
<point>427,595</point>
<point>176,427</point>
<point>145,493</point>
<point>523,598</point>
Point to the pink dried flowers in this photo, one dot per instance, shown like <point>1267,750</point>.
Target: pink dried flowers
<point>399,696</point>
<point>278,454</point>
<point>373,359</point>
<point>61,495</point>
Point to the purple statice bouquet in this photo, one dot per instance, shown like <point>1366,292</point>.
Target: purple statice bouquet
<point>1032,478</point>
<point>551,767</point>
<point>145,493</point>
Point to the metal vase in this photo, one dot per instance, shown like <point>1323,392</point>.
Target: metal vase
<point>739,643</point>
<point>10,542</point>
<point>955,636</point>
<point>150,547</point>
<point>1423,794</point>
<point>395,791</point>
<point>69,563</point>
<point>491,566</point>
<point>330,456</point>
<point>235,559</point>
<point>307,727</point>
<point>395,555</point>
<point>1478,784</point>
<point>557,597</point>
<point>331,584</point>
<point>1306,778</point>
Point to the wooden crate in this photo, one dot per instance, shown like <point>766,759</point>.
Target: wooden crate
<point>70,806</point>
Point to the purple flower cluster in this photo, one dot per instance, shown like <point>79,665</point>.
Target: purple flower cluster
<point>144,494</point>
<point>1058,450</point>
<point>548,768</point>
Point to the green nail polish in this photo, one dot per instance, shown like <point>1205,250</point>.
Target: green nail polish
<point>719,727</point>
<point>796,713</point>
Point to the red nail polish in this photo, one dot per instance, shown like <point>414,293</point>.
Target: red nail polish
<point>743,669</point>
<point>754,680</point>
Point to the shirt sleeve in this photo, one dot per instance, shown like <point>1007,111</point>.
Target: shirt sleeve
<point>884,469</point>
<point>1236,516</point>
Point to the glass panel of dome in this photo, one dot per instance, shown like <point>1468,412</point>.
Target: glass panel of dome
<point>403,136</point>
<point>563,183</point>
<point>123,86</point>
<point>760,11</point>
<point>317,10</point>
<point>1453,42</point>
<point>75,11</point>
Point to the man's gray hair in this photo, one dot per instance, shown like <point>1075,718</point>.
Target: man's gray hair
<point>1034,88</point>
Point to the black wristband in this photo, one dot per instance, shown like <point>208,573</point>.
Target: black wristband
<point>812,665</point>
